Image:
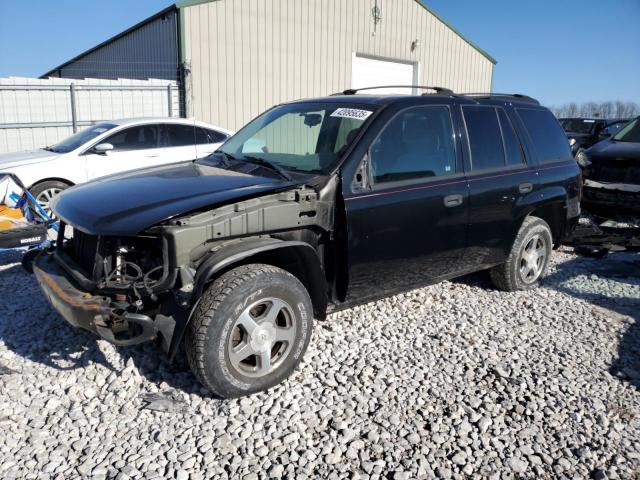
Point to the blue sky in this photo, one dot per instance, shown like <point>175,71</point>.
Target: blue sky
<point>555,50</point>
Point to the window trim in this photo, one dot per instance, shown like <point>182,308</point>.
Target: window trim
<point>414,181</point>
<point>506,165</point>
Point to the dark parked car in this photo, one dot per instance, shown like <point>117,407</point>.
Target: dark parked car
<point>611,171</point>
<point>585,132</point>
<point>315,205</point>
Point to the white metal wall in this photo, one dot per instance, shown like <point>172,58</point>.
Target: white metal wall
<point>247,55</point>
<point>37,112</point>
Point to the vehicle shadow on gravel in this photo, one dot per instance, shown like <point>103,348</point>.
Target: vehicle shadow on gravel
<point>572,278</point>
<point>30,328</point>
<point>617,268</point>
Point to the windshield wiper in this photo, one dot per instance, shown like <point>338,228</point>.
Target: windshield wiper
<point>266,163</point>
<point>49,148</point>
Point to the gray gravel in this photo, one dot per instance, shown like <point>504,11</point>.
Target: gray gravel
<point>455,380</point>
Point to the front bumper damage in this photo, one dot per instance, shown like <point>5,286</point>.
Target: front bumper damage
<point>95,313</point>
<point>612,200</point>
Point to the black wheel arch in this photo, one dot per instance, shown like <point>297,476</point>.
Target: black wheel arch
<point>52,179</point>
<point>296,257</point>
<point>553,210</point>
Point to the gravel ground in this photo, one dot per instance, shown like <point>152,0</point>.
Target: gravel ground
<point>455,380</point>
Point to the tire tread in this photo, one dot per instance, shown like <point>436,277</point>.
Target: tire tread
<point>501,274</point>
<point>218,291</point>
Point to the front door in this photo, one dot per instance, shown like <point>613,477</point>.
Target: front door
<point>410,228</point>
<point>133,147</point>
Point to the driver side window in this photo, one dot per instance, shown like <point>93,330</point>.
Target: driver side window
<point>135,138</point>
<point>417,143</point>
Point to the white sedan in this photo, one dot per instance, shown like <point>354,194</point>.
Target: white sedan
<point>108,147</point>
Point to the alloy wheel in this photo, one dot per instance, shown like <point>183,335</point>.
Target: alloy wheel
<point>44,198</point>
<point>262,337</point>
<point>533,259</point>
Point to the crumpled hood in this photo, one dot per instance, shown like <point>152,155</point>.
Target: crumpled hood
<point>8,160</point>
<point>126,204</point>
<point>612,150</point>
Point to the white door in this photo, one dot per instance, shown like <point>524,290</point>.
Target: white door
<point>188,142</point>
<point>133,147</point>
<point>372,72</point>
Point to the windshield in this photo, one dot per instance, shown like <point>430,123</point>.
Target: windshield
<point>630,133</point>
<point>308,137</point>
<point>578,125</point>
<point>78,139</point>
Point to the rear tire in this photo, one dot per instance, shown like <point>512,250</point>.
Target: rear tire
<point>528,260</point>
<point>249,330</point>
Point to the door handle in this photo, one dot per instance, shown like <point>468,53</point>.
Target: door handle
<point>452,200</point>
<point>525,187</point>
<point>152,155</point>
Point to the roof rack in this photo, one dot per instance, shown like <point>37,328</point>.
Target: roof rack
<point>517,96</point>
<point>353,91</point>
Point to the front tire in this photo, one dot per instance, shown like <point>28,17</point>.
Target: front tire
<point>249,330</point>
<point>528,260</point>
<point>45,191</point>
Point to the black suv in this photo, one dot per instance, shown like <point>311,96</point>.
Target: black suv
<point>585,132</point>
<point>611,171</point>
<point>315,205</point>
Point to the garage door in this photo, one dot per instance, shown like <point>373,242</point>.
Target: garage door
<point>370,72</point>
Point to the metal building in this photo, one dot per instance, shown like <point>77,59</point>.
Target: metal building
<point>236,58</point>
<point>147,50</point>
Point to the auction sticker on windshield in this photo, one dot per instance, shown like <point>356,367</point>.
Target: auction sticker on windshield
<point>355,113</point>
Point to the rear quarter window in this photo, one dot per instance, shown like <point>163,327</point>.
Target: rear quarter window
<point>550,141</point>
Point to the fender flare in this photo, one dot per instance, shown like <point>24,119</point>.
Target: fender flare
<point>234,253</point>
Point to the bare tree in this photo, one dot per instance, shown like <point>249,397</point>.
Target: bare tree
<point>608,109</point>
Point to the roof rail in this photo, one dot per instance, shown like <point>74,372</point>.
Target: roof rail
<point>518,96</point>
<point>353,91</point>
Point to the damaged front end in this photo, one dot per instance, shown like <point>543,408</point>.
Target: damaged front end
<point>116,287</point>
<point>132,289</point>
<point>612,188</point>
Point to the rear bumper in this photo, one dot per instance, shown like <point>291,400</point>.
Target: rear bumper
<point>84,310</point>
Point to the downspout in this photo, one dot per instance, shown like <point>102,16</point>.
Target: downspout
<point>182,71</point>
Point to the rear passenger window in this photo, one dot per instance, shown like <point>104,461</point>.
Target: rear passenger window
<point>485,142</point>
<point>548,137</point>
<point>416,143</point>
<point>182,135</point>
<point>511,143</point>
<point>210,136</point>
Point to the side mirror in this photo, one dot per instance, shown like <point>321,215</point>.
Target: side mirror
<point>102,148</point>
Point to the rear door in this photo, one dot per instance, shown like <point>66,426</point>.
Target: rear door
<point>133,147</point>
<point>410,227</point>
<point>500,180</point>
